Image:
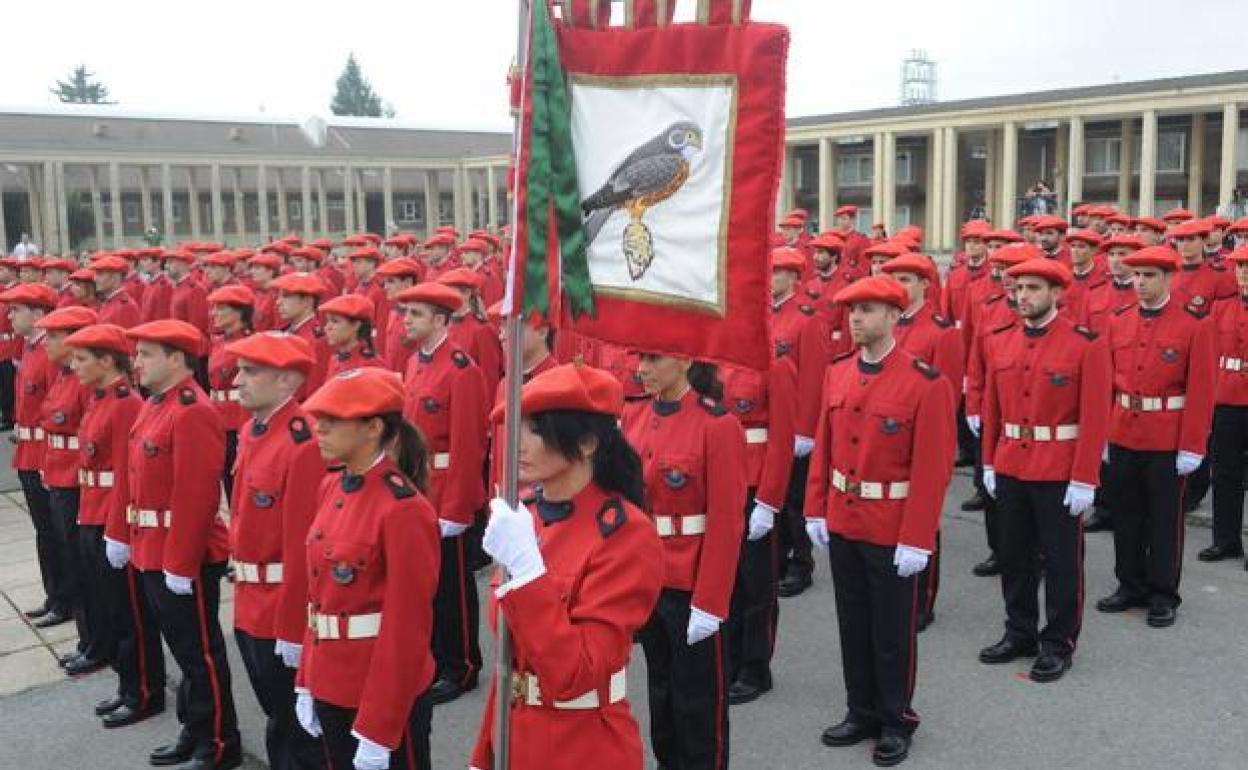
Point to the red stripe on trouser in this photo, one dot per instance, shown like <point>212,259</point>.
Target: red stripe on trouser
<point>469,669</point>
<point>409,751</point>
<point>141,643</point>
<point>719,700</point>
<point>217,739</point>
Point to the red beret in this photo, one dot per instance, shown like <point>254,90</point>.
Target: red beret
<point>402,267</point>
<point>281,247</point>
<point>358,393</point>
<point>1238,256</point>
<point>437,294</point>
<point>1238,226</point>
<point>828,241</point>
<point>791,221</point>
<point>67,318</point>
<point>350,306</point>
<point>1090,237</point>
<point>848,210</point>
<point>888,249</point>
<point>447,230</point>
<point>149,251</point>
<point>1049,269</point>
<point>1101,210</point>
<point>206,246</point>
<point>570,387</point>
<point>309,252</point>
<point>1009,236</point>
<point>1119,218</point>
<point>474,244</point>
<point>875,288</point>
<point>278,350</point>
<point>1015,253</point>
<point>919,264</point>
<point>1162,257</point>
<point>300,283</point>
<point>10,262</point>
<point>101,337</point>
<point>232,295</point>
<point>366,252</point>
<point>169,331</point>
<point>801,214</point>
<point>220,259</point>
<point>31,295</point>
<point>372,238</point>
<point>1192,227</point>
<point>130,254</point>
<point>35,263</point>
<point>266,259</point>
<point>975,228</point>
<point>1122,241</point>
<point>292,239</point>
<point>240,254</point>
<point>60,263</point>
<point>441,239</point>
<point>1082,208</point>
<point>83,274</point>
<point>324,244</point>
<point>1049,222</point>
<point>355,240</point>
<point>1028,222</point>
<point>785,258</point>
<point>179,254</point>
<point>1152,223</point>
<point>462,276</point>
<point>1178,215</point>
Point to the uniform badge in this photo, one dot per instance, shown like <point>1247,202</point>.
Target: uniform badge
<point>1169,355</point>
<point>343,573</point>
<point>890,426</point>
<point>1198,300</point>
<point>150,449</point>
<point>637,377</point>
<point>430,404</point>
<point>1059,379</point>
<point>91,450</point>
<point>744,405</point>
<point>675,478</point>
<point>29,387</point>
<point>263,500</point>
<point>783,347</point>
<point>58,418</point>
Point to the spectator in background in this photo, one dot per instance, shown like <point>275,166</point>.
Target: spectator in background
<point>25,247</point>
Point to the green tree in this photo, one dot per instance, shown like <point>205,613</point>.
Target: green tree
<point>354,95</point>
<point>81,88</point>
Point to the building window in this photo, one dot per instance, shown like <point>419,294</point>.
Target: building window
<point>179,212</point>
<point>407,210</point>
<point>856,170</point>
<point>904,169</point>
<point>1241,162</point>
<point>865,219</point>
<point>1172,151</point>
<point>296,209</point>
<point>1104,155</point>
<point>901,217</point>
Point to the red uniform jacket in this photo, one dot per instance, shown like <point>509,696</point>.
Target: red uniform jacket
<point>311,331</point>
<point>373,548</point>
<point>479,340</point>
<point>765,403</point>
<point>222,368</point>
<point>1231,325</point>
<point>134,285</point>
<point>693,460</point>
<point>119,308</point>
<point>1103,300</point>
<point>357,357</point>
<point>1056,381</point>
<point>61,413</point>
<point>1202,284</point>
<point>931,337</point>
<point>883,424</point>
<point>396,347</point>
<point>154,305</point>
<point>797,333</point>
<point>189,302</point>
<point>10,344</point>
<point>573,628</point>
<point>277,478</point>
<point>1061,254</point>
<point>445,398</point>
<point>1077,297</point>
<point>264,317</point>
<point>955,302</point>
<point>498,442</point>
<point>34,378</point>
<point>103,441</point>
<point>852,261</point>
<point>373,289</point>
<point>1162,354</point>
<point>177,450</point>
<point>990,317</point>
<point>822,288</point>
<point>333,278</point>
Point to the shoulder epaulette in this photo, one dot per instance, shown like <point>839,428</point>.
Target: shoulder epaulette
<point>611,516</point>
<point>1085,332</point>
<point>842,356</point>
<point>1002,327</point>
<point>941,321</point>
<point>1197,309</point>
<point>398,485</point>
<point>994,298</point>
<point>318,331</point>
<point>299,430</point>
<point>926,369</point>
<point>1219,266</point>
<point>460,358</point>
<point>368,353</point>
<point>186,396</point>
<point>812,294</point>
<point>807,309</point>
<point>1124,309</point>
<point>713,406</point>
<point>122,391</point>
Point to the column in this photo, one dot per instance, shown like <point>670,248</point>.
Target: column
<point>114,202</point>
<point>888,186</point>
<point>1148,163</point>
<point>991,163</point>
<point>1009,172</point>
<point>51,238</point>
<point>4,231</point>
<point>1076,146</point>
<point>145,202</point>
<point>433,202</point>
<point>240,212</point>
<point>827,183</point>
<point>950,210</point>
<point>387,202</point>
<point>1126,155</point>
<point>218,215</point>
<point>97,208</point>
<point>1196,164</point>
<point>62,209</point>
<point>877,177</point>
<point>305,197</point>
<point>934,189</point>
<point>283,209</point>
<point>166,201</point>
<point>460,193</point>
<point>192,200</point>
<point>348,200</point>
<point>492,204</point>
<point>1230,153</point>
<point>784,198</point>
<point>322,202</point>
<point>34,206</point>
<point>262,202</point>
<point>1060,167</point>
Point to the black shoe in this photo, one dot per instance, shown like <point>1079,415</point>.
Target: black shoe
<point>1120,601</point>
<point>926,618</point>
<point>68,658</point>
<point>108,706</point>
<point>793,584</point>
<point>976,503</point>
<point>1219,552</point>
<point>1006,650</point>
<point>230,759</point>
<point>83,666</point>
<point>127,715</point>
<point>51,619</point>
<point>1099,521</point>
<point>37,612</point>
<point>891,750</point>
<point>173,753</point>
<point>1161,616</point>
<point>848,733</point>
<point>1049,667</point>
<point>987,568</point>
<point>963,461</point>
<point>445,691</point>
<point>742,691</point>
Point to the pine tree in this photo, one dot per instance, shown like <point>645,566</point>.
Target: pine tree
<point>355,95</point>
<point>81,89</point>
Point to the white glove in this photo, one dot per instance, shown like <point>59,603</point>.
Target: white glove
<point>511,539</point>
<point>289,652</point>
<point>1079,497</point>
<point>305,711</point>
<point>701,626</point>
<point>1105,454</point>
<point>972,422</point>
<point>1186,462</point>
<point>369,755</point>
<point>803,445</point>
<point>451,528</point>
<point>817,531</point>
<point>117,553</point>
<point>762,519</point>
<point>909,560</point>
<point>178,584</point>
<point>990,481</point>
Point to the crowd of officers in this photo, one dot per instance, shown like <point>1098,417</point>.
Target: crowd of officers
<point>347,397</point>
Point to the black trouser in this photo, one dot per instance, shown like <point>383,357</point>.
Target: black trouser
<point>688,689</point>
<point>1102,498</point>
<point>95,607</point>
<point>8,395</point>
<point>1228,445</point>
<point>231,453</point>
<point>130,634</point>
<point>992,526</point>
<point>755,611</point>
<point>1036,525</point>
<point>794,542</point>
<point>929,581</point>
<point>1196,484</point>
<point>63,504</point>
<point>340,745</point>
<point>190,627</point>
<point>51,562</point>
<point>967,441</point>
<point>287,744</point>
<point>877,612</point>
<point>456,645</point>
<point>1148,525</point>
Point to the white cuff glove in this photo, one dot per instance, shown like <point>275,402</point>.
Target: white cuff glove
<point>803,445</point>
<point>1105,454</point>
<point>990,481</point>
<point>762,519</point>
<point>289,652</point>
<point>972,422</point>
<point>1079,497</point>
<point>702,625</point>
<point>451,528</point>
<point>1186,462</point>
<point>817,531</point>
<point>117,553</point>
<point>305,711</point>
<point>369,755</point>
<point>909,560</point>
<point>178,584</point>
<point>512,541</point>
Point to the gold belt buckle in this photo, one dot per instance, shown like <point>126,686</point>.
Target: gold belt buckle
<point>853,487</point>
<point>519,688</point>
<point>1026,432</point>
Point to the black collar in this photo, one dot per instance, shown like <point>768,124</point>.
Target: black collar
<point>1150,312</point>
<point>866,367</point>
<point>259,428</point>
<point>551,512</point>
<point>1035,331</point>
<point>351,482</point>
<point>423,357</point>
<point>664,408</point>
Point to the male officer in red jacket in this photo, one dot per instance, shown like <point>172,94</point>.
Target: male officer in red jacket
<point>116,304</point>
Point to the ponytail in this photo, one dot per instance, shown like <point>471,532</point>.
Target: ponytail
<point>704,378</point>
<point>407,446</point>
<point>616,466</point>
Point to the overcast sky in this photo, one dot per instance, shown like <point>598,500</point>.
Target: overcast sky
<point>442,63</point>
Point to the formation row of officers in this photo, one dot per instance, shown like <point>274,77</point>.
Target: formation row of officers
<point>358,440</point>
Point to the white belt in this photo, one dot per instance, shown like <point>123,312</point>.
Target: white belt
<point>871,490</point>
<point>345,626</point>
<point>670,526</point>
<point>1152,403</point>
<point>1041,432</point>
<point>95,478</point>
<point>837,335</point>
<point>6,337</point>
<point>957,324</point>
<point>224,395</point>
<point>257,573</point>
<point>25,433</point>
<point>441,461</point>
<point>142,517</point>
<point>60,441</point>
<point>756,435</point>
<point>1231,364</point>
<point>524,688</point>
